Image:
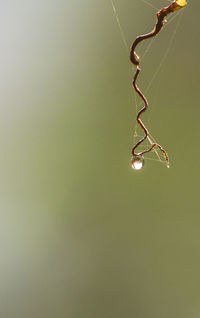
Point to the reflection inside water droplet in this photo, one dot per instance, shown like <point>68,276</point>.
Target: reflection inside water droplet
<point>137,162</point>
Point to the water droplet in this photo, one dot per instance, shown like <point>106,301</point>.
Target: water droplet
<point>137,162</point>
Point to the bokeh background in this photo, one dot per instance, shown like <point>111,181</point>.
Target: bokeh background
<point>81,233</point>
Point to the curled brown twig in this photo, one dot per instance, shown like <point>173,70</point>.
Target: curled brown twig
<point>134,58</point>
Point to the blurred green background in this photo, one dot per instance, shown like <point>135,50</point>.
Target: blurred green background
<point>81,233</point>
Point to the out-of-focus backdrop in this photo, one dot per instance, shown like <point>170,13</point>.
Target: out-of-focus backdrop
<point>81,233</point>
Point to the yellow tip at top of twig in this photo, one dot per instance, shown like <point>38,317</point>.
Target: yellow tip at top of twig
<point>179,4</point>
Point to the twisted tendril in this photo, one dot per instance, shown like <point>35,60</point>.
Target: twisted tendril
<point>134,58</point>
